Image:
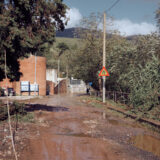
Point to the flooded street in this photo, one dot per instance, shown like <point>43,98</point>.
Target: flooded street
<point>68,129</point>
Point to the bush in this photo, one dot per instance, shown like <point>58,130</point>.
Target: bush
<point>1,91</point>
<point>15,108</point>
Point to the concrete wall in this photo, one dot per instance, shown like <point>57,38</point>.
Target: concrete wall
<point>27,67</point>
<point>77,88</point>
<point>51,75</point>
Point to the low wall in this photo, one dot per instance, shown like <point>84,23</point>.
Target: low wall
<point>62,87</point>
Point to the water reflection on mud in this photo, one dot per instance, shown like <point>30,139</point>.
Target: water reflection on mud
<point>147,143</point>
<point>113,122</point>
<point>75,135</point>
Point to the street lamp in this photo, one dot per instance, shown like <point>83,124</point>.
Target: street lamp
<point>35,74</point>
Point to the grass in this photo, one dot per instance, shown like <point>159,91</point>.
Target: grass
<point>17,111</point>
<point>151,127</point>
<point>27,118</point>
<point>153,114</point>
<point>69,41</point>
<point>93,102</point>
<point>108,101</point>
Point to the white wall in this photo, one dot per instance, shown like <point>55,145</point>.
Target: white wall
<point>51,75</point>
<point>78,88</point>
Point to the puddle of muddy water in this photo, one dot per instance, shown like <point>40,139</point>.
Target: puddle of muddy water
<point>75,135</point>
<point>147,143</point>
<point>113,122</point>
<point>123,124</point>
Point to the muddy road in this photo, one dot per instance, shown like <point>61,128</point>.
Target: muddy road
<point>67,129</point>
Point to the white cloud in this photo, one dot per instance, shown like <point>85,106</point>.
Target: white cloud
<point>127,27</point>
<point>74,17</point>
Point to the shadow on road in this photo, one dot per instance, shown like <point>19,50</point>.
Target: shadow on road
<point>37,107</point>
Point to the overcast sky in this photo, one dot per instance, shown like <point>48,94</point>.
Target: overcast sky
<point>130,16</point>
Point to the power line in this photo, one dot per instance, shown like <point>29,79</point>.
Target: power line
<point>113,5</point>
<point>104,47</point>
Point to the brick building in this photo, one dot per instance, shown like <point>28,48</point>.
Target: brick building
<point>33,69</point>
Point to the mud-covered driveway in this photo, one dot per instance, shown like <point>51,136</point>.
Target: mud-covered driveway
<point>68,129</point>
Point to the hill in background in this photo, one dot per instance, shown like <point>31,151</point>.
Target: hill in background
<point>70,33</point>
<point>67,33</point>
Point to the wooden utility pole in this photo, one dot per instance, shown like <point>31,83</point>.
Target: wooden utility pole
<point>104,54</point>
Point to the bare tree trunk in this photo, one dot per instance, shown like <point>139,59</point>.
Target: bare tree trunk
<point>8,108</point>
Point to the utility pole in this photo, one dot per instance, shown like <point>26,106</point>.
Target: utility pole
<point>104,54</point>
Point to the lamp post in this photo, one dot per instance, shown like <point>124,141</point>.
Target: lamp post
<point>35,74</point>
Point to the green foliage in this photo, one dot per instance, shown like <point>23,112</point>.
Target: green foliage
<point>27,26</point>
<point>1,93</point>
<point>144,84</point>
<point>18,108</point>
<point>87,63</point>
<point>62,48</point>
<point>87,60</point>
<point>66,59</point>
<point>134,65</point>
<point>119,55</point>
<point>15,109</point>
<point>158,17</point>
<point>28,118</point>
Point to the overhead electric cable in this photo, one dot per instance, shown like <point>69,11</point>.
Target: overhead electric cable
<point>113,5</point>
<point>104,47</point>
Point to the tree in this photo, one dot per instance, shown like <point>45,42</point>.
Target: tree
<point>158,25</point>
<point>144,84</point>
<point>87,61</point>
<point>62,48</point>
<point>120,53</point>
<point>27,26</point>
<point>158,17</point>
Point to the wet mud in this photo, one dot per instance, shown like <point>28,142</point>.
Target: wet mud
<point>71,130</point>
<point>147,142</point>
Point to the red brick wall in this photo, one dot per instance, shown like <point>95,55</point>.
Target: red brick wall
<point>4,82</point>
<point>62,87</point>
<point>27,67</point>
<point>50,87</point>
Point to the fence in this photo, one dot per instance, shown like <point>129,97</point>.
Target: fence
<point>116,96</point>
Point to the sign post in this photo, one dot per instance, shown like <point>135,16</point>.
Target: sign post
<point>103,73</point>
<point>104,54</point>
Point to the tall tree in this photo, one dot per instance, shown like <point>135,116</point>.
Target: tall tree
<point>158,17</point>
<point>27,26</point>
<point>87,61</point>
